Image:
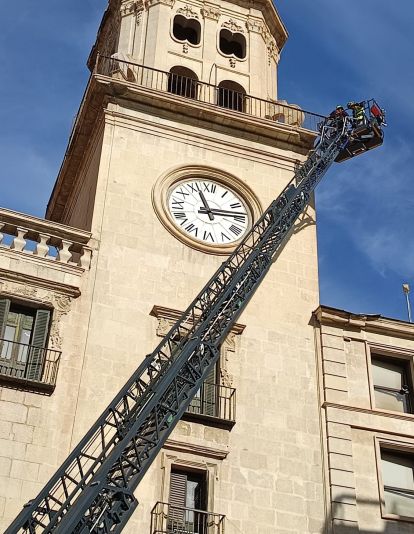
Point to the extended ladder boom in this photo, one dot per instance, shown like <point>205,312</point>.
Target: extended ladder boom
<point>93,490</point>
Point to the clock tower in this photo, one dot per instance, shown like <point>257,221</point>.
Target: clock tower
<point>179,143</point>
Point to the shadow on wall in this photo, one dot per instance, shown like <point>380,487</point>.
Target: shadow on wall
<point>350,527</point>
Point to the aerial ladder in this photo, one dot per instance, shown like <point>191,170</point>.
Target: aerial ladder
<point>93,491</point>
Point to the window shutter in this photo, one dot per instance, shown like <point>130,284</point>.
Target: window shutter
<point>178,489</point>
<point>4,311</point>
<point>37,348</point>
<point>209,393</point>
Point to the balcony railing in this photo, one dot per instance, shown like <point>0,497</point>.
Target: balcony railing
<point>167,519</point>
<point>216,96</point>
<point>44,239</point>
<point>34,366</point>
<point>214,400</point>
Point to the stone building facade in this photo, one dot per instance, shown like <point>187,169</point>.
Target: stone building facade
<point>182,94</point>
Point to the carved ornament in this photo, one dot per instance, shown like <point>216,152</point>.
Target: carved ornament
<point>169,3</point>
<point>212,13</point>
<point>58,302</point>
<point>188,12</point>
<point>233,26</point>
<point>132,7</point>
<point>255,25</point>
<point>166,319</point>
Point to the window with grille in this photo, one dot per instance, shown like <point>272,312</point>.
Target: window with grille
<point>398,479</point>
<point>23,337</point>
<point>392,384</point>
<point>187,502</point>
<point>205,401</point>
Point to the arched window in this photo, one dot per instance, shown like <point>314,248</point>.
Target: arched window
<point>183,82</point>
<point>231,95</point>
<point>232,44</point>
<point>187,30</point>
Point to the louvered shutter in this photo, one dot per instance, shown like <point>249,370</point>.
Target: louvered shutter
<point>38,344</point>
<point>4,311</point>
<point>177,501</point>
<point>209,393</point>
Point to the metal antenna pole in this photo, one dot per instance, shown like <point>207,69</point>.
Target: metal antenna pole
<point>406,290</point>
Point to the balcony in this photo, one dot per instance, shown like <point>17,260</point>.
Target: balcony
<point>29,366</point>
<point>214,405</point>
<point>167,519</point>
<point>221,96</point>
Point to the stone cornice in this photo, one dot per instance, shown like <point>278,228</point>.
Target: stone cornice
<point>370,323</point>
<point>170,314</point>
<point>199,450</point>
<point>34,281</point>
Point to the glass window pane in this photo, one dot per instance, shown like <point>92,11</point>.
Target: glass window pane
<point>9,334</point>
<point>399,503</point>
<point>387,374</point>
<point>397,471</point>
<point>388,400</point>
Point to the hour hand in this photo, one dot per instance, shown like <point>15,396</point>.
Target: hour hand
<point>223,212</point>
<point>207,208</point>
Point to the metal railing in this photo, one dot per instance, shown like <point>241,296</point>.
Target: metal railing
<point>168,519</point>
<point>29,363</point>
<point>218,96</point>
<point>215,400</point>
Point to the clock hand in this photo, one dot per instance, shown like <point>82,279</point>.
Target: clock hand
<point>206,206</point>
<point>222,212</point>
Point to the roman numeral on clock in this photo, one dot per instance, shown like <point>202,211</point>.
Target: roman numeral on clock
<point>240,218</point>
<point>194,188</point>
<point>224,237</point>
<point>235,205</point>
<point>211,188</point>
<point>207,236</point>
<point>235,230</point>
<point>179,215</point>
<point>191,228</point>
<point>178,204</point>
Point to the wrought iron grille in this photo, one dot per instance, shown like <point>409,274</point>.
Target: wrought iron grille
<point>168,519</point>
<point>214,95</point>
<point>28,363</point>
<point>214,400</point>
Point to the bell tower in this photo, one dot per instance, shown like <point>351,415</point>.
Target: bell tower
<point>179,143</point>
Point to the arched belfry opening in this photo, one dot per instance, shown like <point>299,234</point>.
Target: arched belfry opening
<point>183,82</point>
<point>185,29</point>
<point>231,95</point>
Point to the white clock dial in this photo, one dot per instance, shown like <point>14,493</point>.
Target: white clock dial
<point>208,211</point>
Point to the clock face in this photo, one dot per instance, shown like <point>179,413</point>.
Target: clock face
<point>208,211</point>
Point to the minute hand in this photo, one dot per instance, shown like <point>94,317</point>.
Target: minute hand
<point>222,212</point>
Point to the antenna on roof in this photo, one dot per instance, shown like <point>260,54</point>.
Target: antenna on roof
<point>406,290</point>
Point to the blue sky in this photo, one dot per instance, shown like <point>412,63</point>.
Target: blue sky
<point>337,51</point>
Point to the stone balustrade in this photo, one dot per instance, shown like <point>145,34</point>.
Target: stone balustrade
<point>44,239</point>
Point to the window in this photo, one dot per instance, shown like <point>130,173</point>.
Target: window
<point>398,479</point>
<point>231,95</point>
<point>187,30</point>
<point>392,384</point>
<point>187,502</point>
<point>205,401</point>
<point>23,335</point>
<point>232,44</point>
<point>183,82</point>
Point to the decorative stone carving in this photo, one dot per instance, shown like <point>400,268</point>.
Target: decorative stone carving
<point>58,302</point>
<point>131,7</point>
<point>169,3</point>
<point>185,48</point>
<point>166,319</point>
<point>232,62</point>
<point>255,25</point>
<point>272,51</point>
<point>212,13</point>
<point>233,26</point>
<point>188,12</point>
